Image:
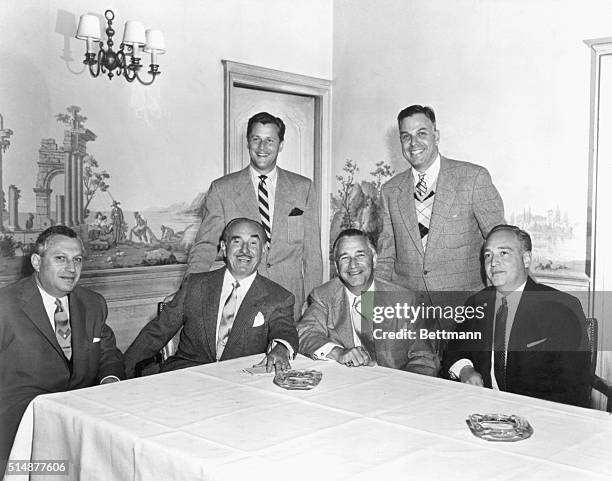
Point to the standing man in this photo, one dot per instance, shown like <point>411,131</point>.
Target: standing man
<point>284,202</point>
<point>337,325</point>
<point>436,214</point>
<point>53,333</point>
<point>531,334</point>
<point>226,313</point>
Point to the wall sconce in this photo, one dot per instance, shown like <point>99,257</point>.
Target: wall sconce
<point>115,63</point>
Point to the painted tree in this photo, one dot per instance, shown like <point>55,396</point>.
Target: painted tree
<point>94,179</point>
<point>72,119</point>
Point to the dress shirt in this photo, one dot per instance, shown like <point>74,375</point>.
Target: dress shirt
<point>431,174</point>
<point>513,300</point>
<point>50,306</point>
<point>245,285</point>
<point>270,186</point>
<point>325,349</point>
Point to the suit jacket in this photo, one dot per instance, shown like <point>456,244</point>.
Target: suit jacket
<point>466,207</point>
<point>294,260</point>
<point>546,355</point>
<point>195,308</point>
<point>328,319</point>
<point>31,360</point>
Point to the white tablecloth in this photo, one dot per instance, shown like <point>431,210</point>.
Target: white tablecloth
<point>215,423</point>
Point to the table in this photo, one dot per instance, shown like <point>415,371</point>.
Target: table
<point>214,422</point>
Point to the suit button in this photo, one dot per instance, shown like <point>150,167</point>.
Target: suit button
<point>268,265</point>
<point>425,272</point>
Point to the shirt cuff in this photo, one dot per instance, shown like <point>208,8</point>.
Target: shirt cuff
<point>455,369</point>
<point>324,350</point>
<point>109,377</point>
<point>284,343</point>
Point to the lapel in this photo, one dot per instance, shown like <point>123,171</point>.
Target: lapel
<point>521,326</point>
<point>406,207</point>
<point>284,201</point>
<point>82,330</point>
<point>445,195</point>
<point>33,307</point>
<point>251,304</point>
<point>344,322</point>
<point>246,200</point>
<point>210,307</point>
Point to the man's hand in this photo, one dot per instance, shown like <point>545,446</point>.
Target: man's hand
<point>352,356</point>
<point>469,375</point>
<point>277,358</point>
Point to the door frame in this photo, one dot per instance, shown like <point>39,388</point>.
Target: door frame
<point>241,75</point>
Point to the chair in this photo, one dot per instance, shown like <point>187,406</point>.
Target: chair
<point>597,383</point>
<point>165,352</point>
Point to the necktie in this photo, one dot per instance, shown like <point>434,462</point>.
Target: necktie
<point>264,207</point>
<point>499,344</point>
<point>363,328</point>
<point>421,187</point>
<point>227,319</point>
<point>62,329</point>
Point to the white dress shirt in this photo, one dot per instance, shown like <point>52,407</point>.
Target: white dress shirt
<point>431,174</point>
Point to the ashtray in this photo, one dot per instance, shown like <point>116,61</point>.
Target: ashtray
<point>499,427</point>
<point>298,379</point>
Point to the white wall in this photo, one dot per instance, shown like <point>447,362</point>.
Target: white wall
<point>163,143</point>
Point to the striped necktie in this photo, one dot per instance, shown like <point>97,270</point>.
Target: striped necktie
<point>499,345</point>
<point>62,329</point>
<point>264,207</point>
<point>227,319</point>
<point>423,203</point>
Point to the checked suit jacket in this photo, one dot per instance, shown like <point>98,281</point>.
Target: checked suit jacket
<point>31,360</point>
<point>466,207</point>
<point>195,308</point>
<point>294,259</point>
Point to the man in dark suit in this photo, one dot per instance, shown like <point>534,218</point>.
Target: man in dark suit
<point>285,203</point>
<point>53,333</point>
<point>226,313</point>
<point>532,336</point>
<point>436,214</point>
<point>338,323</point>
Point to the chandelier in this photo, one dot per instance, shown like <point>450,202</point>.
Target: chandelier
<point>126,61</point>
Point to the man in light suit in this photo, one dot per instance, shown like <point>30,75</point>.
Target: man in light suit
<point>337,324</point>
<point>225,313</point>
<point>53,333</point>
<point>285,203</point>
<point>435,214</point>
<point>532,336</point>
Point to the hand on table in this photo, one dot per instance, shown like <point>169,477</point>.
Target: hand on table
<point>469,375</point>
<point>352,356</point>
<point>276,359</point>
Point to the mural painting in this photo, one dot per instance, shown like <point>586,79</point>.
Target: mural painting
<point>113,238</point>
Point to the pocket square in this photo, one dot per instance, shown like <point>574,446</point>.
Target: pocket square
<point>295,212</point>
<point>259,320</point>
<point>535,343</point>
<point>96,339</point>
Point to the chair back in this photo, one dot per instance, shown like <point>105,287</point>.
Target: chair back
<point>592,339</point>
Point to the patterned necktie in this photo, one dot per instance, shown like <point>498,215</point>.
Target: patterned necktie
<point>264,207</point>
<point>62,329</point>
<point>363,328</point>
<point>499,345</point>
<point>421,187</point>
<point>227,319</point>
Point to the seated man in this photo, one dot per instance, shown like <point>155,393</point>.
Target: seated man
<point>531,334</point>
<point>226,313</point>
<point>334,326</point>
<point>53,333</point>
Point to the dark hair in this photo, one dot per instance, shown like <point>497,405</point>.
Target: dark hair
<point>352,233</point>
<point>231,223</point>
<point>45,236</point>
<point>266,118</point>
<point>417,109</point>
<point>522,236</point>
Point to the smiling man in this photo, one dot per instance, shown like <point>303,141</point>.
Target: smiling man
<point>284,202</point>
<point>53,333</point>
<point>335,325</point>
<point>435,214</point>
<point>225,313</point>
<point>532,334</point>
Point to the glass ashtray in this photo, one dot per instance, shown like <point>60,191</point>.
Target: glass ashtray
<point>499,427</point>
<point>298,379</point>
